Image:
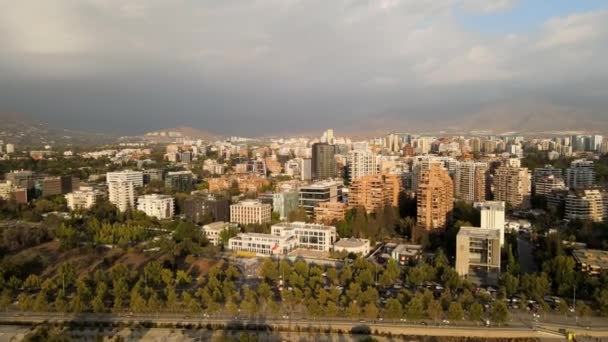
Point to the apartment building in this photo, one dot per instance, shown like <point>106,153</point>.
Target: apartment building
<point>122,188</point>
<point>580,174</point>
<point>586,204</point>
<point>470,181</point>
<point>323,161</point>
<point>374,192</point>
<point>160,206</point>
<point>361,164</point>
<point>328,212</point>
<point>250,212</point>
<point>541,175</point>
<point>512,185</point>
<point>83,198</point>
<point>435,198</point>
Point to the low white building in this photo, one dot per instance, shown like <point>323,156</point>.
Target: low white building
<point>83,198</point>
<point>263,244</point>
<point>213,230</point>
<point>309,235</point>
<point>352,245</point>
<point>155,205</point>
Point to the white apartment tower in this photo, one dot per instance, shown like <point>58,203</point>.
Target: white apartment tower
<point>155,205</point>
<point>121,188</point>
<point>361,163</point>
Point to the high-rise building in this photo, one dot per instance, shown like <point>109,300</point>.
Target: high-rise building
<point>160,206</point>
<point>546,184</point>
<point>392,143</point>
<point>478,254</point>
<point>306,174</point>
<point>320,192</point>
<point>435,198</point>
<point>512,185</point>
<point>586,204</point>
<point>540,173</point>
<point>52,186</point>
<point>604,147</point>
<point>180,181</point>
<point>580,174</point>
<point>323,161</point>
<point>285,202</point>
<point>250,212</point>
<point>470,181</point>
<point>121,188</point>
<point>596,142</point>
<point>83,198</point>
<point>360,164</point>
<point>10,148</point>
<point>493,217</point>
<point>21,178</point>
<point>374,192</point>
<point>206,207</point>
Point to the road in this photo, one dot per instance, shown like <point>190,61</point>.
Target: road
<point>518,327</point>
<point>525,251</point>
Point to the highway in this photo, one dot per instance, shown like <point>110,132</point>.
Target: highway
<point>517,328</point>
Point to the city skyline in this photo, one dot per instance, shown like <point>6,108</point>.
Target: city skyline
<point>238,68</point>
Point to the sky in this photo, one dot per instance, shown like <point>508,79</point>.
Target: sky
<point>254,67</point>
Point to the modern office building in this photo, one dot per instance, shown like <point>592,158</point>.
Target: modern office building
<point>478,255</point>
<point>250,212</point>
<point>262,244</point>
<point>493,217</point>
<point>122,186</point>
<point>160,206</point>
<point>328,212</point>
<point>152,175</point>
<point>512,185</point>
<point>83,198</point>
<point>374,192</point>
<point>360,164</point>
<point>323,161</point>
<point>180,181</point>
<point>580,174</point>
<point>586,204</point>
<point>470,181</point>
<point>320,192</point>
<point>53,186</point>
<point>285,202</point>
<point>435,198</point>
<point>309,235</point>
<point>206,207</point>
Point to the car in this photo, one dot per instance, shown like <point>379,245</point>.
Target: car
<point>445,321</point>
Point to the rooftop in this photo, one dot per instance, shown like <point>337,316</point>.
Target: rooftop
<point>351,242</point>
<point>593,258</point>
<point>323,184</point>
<point>482,233</point>
<point>251,203</point>
<point>292,225</point>
<point>495,205</point>
<point>219,225</point>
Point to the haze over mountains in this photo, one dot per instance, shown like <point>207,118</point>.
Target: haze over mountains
<point>524,117</point>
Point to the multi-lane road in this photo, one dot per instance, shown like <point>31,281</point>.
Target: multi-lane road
<point>518,327</point>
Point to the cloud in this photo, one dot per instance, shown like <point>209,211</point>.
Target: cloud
<point>488,6</point>
<point>266,59</point>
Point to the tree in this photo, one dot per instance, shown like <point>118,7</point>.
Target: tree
<point>41,303</point>
<point>61,303</point>
<point>455,312</point>
<point>152,273</point>
<point>476,312</point>
<point>394,310</point>
<point>354,310</point>
<point>370,311</point>
<point>434,310</point>
<point>269,271</point>
<point>499,313</point>
<point>415,308</point>
<point>32,282</point>
<point>67,274</point>
<point>5,299</point>
<point>183,278</point>
<point>510,282</point>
